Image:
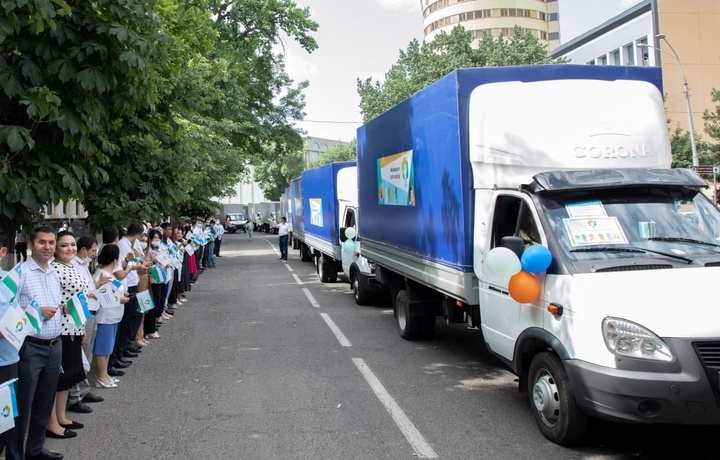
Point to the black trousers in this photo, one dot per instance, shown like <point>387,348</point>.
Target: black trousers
<point>125,326</point>
<point>217,246</point>
<point>38,372</point>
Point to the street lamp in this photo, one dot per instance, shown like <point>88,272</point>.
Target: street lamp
<point>695,160</point>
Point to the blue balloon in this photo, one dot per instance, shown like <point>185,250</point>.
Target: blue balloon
<point>536,259</point>
<point>348,246</point>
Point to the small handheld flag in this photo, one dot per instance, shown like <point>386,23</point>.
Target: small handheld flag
<point>78,308</point>
<point>33,315</point>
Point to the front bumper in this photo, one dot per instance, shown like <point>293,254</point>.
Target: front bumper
<point>686,392</point>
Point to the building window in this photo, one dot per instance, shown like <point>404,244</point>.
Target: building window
<point>616,57</point>
<point>629,54</point>
<point>554,36</point>
<point>324,148</point>
<point>642,52</point>
<point>552,17</point>
<point>602,60</point>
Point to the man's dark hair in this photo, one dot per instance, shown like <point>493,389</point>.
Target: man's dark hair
<point>43,229</point>
<point>153,233</point>
<point>212,221</point>
<point>3,240</point>
<point>134,229</point>
<point>109,234</point>
<point>108,254</point>
<point>165,225</point>
<point>85,242</point>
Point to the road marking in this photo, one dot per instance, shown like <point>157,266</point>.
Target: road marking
<point>289,267</point>
<point>416,440</point>
<point>310,297</point>
<point>336,330</point>
<point>297,279</point>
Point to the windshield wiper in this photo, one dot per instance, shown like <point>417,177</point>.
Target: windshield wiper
<point>614,249</point>
<point>682,240</point>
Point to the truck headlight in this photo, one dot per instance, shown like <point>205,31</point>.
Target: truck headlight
<point>627,339</point>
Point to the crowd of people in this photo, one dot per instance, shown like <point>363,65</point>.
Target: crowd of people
<point>132,284</point>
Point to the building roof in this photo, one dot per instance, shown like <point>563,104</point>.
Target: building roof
<point>611,24</point>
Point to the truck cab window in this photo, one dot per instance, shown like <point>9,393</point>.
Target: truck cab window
<point>349,218</point>
<point>513,218</point>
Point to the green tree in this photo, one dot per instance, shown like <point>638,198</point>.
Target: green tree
<point>341,152</point>
<point>712,125</point>
<point>420,65</point>
<point>275,173</point>
<point>681,148</point>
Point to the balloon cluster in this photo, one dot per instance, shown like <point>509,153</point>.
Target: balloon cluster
<point>523,285</point>
<point>349,245</point>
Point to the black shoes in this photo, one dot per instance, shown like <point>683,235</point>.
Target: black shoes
<point>129,354</point>
<point>79,407</point>
<point>67,434</point>
<point>132,348</point>
<point>115,372</point>
<point>122,360</point>
<point>73,425</point>
<point>120,365</point>
<point>45,455</point>
<point>92,398</point>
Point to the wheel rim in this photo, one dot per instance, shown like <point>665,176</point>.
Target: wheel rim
<point>356,287</point>
<point>402,315</point>
<point>320,270</point>
<point>546,398</point>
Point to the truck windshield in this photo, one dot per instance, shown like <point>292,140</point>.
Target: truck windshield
<point>670,223</point>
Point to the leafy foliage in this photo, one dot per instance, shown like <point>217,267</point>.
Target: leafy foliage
<point>420,65</point>
<point>275,173</point>
<point>341,152</point>
<point>681,148</point>
<point>141,108</point>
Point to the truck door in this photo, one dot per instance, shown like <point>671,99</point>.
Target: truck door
<point>349,221</point>
<point>503,319</point>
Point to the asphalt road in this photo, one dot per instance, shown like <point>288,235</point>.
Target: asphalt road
<point>265,362</point>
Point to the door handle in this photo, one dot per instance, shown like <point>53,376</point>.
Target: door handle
<point>498,290</point>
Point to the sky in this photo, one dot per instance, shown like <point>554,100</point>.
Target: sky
<point>362,39</point>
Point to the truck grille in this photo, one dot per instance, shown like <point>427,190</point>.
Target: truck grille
<point>628,268</point>
<point>709,354</point>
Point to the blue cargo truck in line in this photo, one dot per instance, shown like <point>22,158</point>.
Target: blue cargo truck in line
<point>322,205</point>
<point>537,204</point>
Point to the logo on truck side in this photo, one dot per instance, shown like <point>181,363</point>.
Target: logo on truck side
<point>612,151</point>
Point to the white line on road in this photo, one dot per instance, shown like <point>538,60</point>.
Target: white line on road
<point>336,330</point>
<point>297,279</point>
<point>310,297</point>
<point>289,268</point>
<point>416,440</point>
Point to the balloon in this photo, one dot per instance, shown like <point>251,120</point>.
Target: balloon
<point>348,246</point>
<point>536,259</point>
<point>502,262</point>
<point>350,233</point>
<point>524,287</point>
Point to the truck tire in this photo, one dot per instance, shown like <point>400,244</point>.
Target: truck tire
<point>410,327</point>
<point>557,414</point>
<point>305,255</point>
<point>324,267</point>
<point>359,292</point>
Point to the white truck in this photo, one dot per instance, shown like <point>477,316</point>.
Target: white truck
<point>569,161</point>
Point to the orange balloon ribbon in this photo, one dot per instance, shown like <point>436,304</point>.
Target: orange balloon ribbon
<point>524,287</point>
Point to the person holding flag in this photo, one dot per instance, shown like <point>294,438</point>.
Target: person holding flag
<point>74,315</point>
<point>9,356</point>
<point>41,353</point>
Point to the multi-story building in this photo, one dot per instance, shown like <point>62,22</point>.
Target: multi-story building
<point>494,17</point>
<point>316,146</point>
<point>633,38</point>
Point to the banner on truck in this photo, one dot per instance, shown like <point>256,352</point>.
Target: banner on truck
<point>396,179</point>
<point>316,212</point>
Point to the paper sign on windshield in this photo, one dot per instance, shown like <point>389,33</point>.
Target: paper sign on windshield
<point>588,231</point>
<point>396,179</point>
<point>586,209</point>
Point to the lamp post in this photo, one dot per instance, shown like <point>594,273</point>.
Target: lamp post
<point>695,160</point>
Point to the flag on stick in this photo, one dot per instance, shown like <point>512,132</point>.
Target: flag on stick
<point>11,281</point>
<point>78,308</point>
<point>158,274</point>
<point>34,317</point>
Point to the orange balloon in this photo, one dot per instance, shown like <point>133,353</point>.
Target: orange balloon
<point>524,287</point>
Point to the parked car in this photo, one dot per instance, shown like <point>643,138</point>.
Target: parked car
<point>237,223</point>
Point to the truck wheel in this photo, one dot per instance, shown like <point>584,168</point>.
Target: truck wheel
<point>410,327</point>
<point>323,267</point>
<point>361,295</point>
<point>553,402</point>
<point>305,253</point>
<point>427,330</point>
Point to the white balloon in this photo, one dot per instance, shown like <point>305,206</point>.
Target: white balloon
<point>503,262</point>
<point>350,232</point>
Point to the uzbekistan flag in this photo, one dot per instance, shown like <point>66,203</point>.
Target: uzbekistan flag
<point>11,281</point>
<point>158,274</point>
<point>78,308</point>
<point>34,317</point>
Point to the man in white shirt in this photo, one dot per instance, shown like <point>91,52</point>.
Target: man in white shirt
<point>219,230</point>
<point>130,282</point>
<point>284,230</point>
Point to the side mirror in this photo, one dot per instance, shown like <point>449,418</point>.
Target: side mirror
<point>343,238</point>
<point>514,243</point>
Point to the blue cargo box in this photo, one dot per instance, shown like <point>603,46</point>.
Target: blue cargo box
<point>319,201</point>
<point>414,175</point>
